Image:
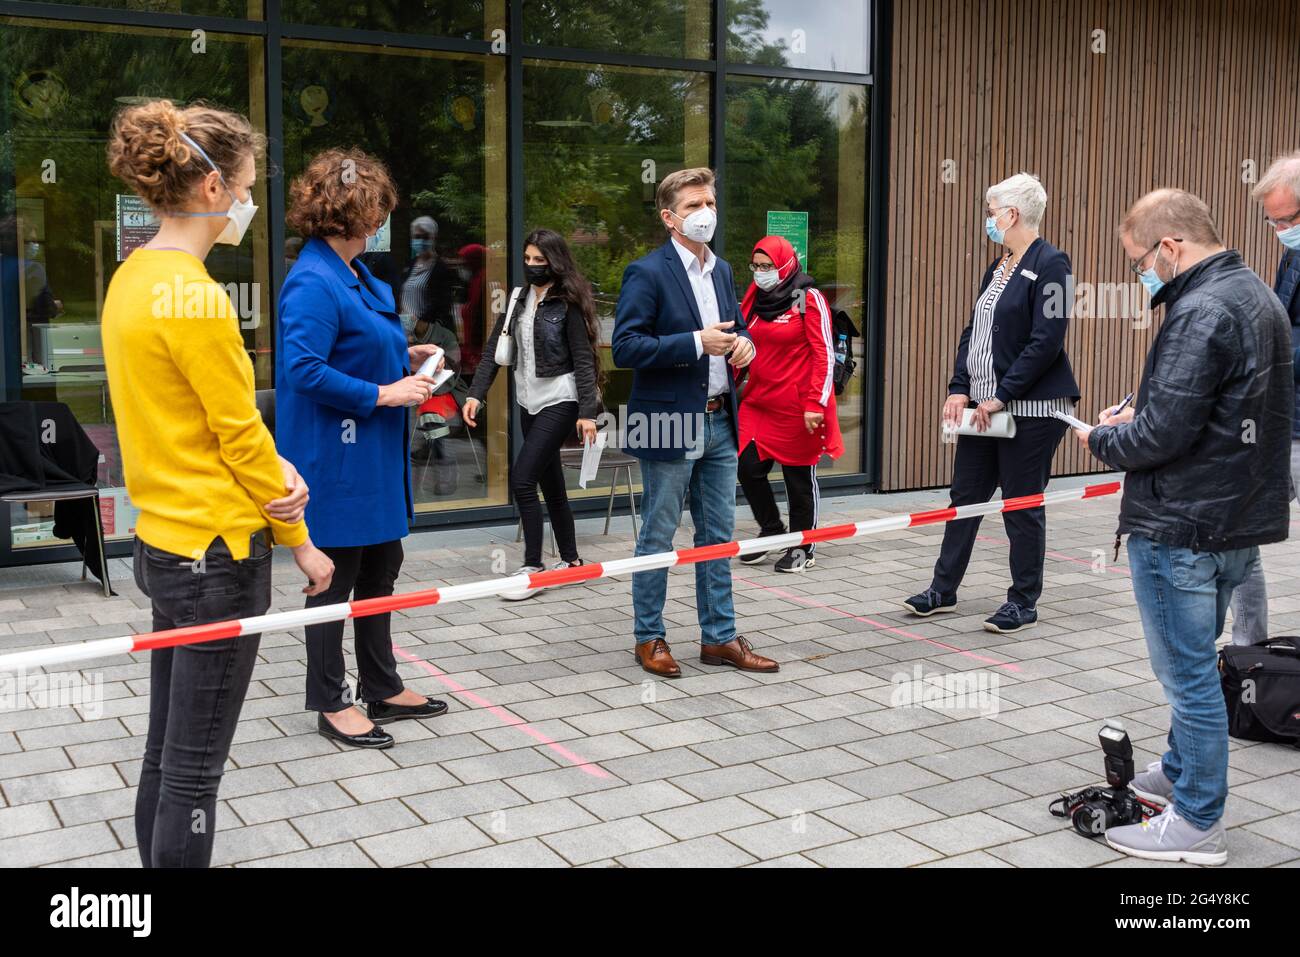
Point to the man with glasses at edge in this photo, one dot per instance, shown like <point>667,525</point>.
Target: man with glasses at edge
<point>1279,195</point>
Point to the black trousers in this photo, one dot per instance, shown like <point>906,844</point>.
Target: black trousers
<point>195,695</point>
<point>538,463</point>
<point>1020,466</point>
<point>363,571</point>
<point>802,494</point>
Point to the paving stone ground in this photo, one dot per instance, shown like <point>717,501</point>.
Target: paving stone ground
<point>558,751</point>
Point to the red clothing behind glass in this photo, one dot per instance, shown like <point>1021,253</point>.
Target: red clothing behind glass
<point>791,374</point>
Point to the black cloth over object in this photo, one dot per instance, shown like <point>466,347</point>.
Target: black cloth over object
<point>43,448</point>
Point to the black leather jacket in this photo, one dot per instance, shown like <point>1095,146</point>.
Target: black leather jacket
<point>1208,454</point>
<point>560,346</point>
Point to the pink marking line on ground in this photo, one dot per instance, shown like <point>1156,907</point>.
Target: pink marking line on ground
<point>504,716</point>
<point>880,625</point>
<point>1116,568</point>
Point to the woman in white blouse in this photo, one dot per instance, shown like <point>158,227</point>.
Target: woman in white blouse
<point>557,386</point>
<point>1011,359</point>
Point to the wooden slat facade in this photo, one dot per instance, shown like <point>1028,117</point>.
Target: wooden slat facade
<point>1184,95</point>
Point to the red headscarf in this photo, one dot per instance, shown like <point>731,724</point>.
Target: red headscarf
<point>776,300</point>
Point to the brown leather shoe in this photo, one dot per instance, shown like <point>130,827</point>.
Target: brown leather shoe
<point>655,658</point>
<point>738,653</point>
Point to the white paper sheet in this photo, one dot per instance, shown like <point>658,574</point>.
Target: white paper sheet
<point>591,458</point>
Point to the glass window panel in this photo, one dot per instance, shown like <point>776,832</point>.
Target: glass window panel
<point>466,19</point>
<point>800,145</point>
<point>59,220</point>
<point>796,33</point>
<point>447,154</point>
<point>674,28</point>
<point>597,139</point>
<point>237,9</point>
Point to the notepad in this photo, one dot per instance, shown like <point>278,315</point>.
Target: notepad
<point>1071,421</point>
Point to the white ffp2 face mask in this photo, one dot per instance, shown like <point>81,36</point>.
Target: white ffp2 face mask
<point>699,225</point>
<point>240,213</point>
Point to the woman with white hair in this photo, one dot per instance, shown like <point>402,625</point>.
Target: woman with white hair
<point>1010,360</point>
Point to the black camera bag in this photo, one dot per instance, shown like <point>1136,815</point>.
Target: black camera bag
<point>1261,688</point>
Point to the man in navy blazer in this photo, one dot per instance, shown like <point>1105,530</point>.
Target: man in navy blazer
<point>1278,193</point>
<point>679,328</point>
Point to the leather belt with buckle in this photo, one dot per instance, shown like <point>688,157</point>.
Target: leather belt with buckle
<point>714,404</point>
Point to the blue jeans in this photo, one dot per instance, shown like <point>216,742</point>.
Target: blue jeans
<point>710,481</point>
<point>1183,597</point>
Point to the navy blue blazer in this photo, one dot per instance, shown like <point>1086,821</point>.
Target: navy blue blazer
<point>1029,325</point>
<point>1287,287</point>
<point>340,339</point>
<point>654,335</point>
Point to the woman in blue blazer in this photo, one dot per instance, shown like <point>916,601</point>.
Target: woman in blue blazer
<point>1011,358</point>
<point>342,389</point>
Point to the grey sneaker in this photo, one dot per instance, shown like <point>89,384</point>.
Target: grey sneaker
<point>1152,785</point>
<point>1168,837</point>
<point>519,594</point>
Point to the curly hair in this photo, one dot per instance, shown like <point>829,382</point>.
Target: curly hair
<point>146,151</point>
<point>341,193</point>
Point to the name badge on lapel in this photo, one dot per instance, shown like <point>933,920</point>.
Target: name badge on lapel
<point>1028,275</point>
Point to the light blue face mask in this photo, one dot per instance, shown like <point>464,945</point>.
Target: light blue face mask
<point>1151,278</point>
<point>1290,238</point>
<point>991,228</point>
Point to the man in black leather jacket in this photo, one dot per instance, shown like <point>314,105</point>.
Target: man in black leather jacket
<point>1207,451</point>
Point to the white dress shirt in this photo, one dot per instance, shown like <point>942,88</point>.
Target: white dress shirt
<point>706,300</point>
<point>532,393</point>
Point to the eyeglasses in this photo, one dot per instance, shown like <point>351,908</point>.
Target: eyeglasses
<point>761,267</point>
<point>1136,264</point>
<point>993,212</point>
<point>1284,223</point>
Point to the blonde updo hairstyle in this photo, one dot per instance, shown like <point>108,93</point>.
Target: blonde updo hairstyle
<point>146,151</point>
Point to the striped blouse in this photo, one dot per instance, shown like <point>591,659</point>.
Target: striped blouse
<point>979,358</point>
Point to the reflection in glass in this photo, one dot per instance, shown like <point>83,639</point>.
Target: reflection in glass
<point>800,145</point>
<point>673,28</point>
<point>597,140</point>
<point>438,121</point>
<point>64,221</point>
<point>466,19</point>
<point>237,9</point>
<point>796,33</point>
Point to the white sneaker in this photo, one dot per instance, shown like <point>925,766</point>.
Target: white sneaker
<point>1169,837</point>
<point>519,594</point>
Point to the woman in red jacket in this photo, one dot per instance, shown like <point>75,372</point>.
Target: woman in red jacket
<point>787,412</point>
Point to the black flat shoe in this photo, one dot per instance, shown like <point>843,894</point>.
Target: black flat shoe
<point>381,712</point>
<point>374,738</point>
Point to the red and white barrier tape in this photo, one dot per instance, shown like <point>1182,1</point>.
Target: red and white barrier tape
<point>279,621</point>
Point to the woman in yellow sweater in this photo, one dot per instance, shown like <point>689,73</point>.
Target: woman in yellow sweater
<point>199,463</point>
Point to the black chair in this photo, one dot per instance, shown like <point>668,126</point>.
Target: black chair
<point>23,462</point>
<point>65,495</point>
<point>265,399</point>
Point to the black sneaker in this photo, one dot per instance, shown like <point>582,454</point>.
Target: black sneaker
<point>1011,618</point>
<point>754,558</point>
<point>795,560</point>
<point>930,602</point>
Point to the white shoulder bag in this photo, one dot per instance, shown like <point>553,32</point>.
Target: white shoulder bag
<point>505,354</point>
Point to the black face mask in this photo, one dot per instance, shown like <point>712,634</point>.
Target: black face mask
<point>538,275</point>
